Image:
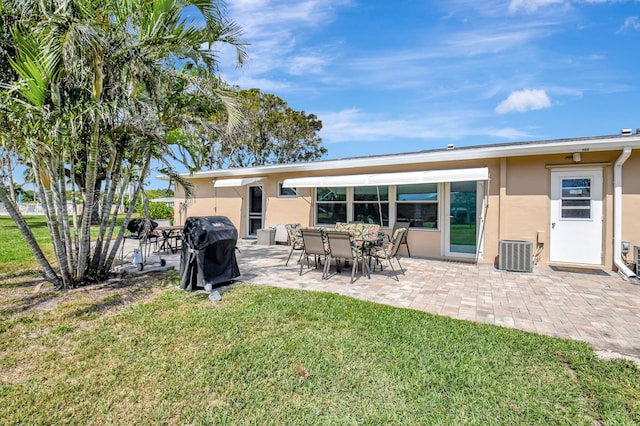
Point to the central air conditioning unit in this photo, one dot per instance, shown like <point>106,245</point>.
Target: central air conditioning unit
<point>636,258</point>
<point>515,256</point>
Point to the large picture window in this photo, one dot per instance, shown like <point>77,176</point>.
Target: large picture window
<point>370,203</point>
<point>331,205</point>
<point>418,205</point>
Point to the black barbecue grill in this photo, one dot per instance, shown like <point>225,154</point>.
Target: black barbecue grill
<point>208,256</point>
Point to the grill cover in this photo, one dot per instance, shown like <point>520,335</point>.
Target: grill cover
<point>136,226</point>
<point>208,254</point>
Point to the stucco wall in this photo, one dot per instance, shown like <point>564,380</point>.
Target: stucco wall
<point>524,205</point>
<point>210,201</point>
<point>517,199</point>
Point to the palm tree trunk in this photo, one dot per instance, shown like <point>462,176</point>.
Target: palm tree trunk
<point>65,230</point>
<point>44,183</point>
<point>134,198</point>
<point>85,227</point>
<point>48,272</point>
<point>106,226</point>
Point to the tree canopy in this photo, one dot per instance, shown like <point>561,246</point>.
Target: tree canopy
<point>91,94</point>
<point>270,132</point>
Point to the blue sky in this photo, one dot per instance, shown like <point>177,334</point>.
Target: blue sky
<point>408,75</point>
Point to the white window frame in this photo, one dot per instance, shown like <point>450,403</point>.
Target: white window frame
<point>352,203</point>
<point>281,195</point>
<point>438,204</point>
<point>347,202</point>
<point>392,202</point>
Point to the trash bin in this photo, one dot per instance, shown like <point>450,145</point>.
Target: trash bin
<point>208,256</point>
<point>266,237</point>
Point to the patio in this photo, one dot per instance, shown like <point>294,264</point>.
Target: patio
<point>602,310</point>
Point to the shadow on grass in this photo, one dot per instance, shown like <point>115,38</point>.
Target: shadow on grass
<point>98,307</point>
<point>121,292</point>
<point>25,283</point>
<point>27,302</point>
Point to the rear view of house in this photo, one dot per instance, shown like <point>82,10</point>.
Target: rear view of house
<point>571,202</point>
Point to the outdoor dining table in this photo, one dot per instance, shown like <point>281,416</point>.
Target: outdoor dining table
<point>169,234</point>
<point>366,243</point>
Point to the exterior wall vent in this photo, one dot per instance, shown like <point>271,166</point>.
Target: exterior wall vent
<point>516,256</point>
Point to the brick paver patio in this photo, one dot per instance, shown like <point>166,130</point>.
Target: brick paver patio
<point>602,310</point>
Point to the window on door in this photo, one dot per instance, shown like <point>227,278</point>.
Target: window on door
<point>576,199</point>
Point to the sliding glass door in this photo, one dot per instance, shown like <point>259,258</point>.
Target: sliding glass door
<point>461,236</point>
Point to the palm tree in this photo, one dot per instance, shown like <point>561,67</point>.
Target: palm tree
<point>96,96</point>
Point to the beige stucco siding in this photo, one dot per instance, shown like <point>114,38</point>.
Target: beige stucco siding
<point>517,200</point>
<point>525,207</point>
<point>210,201</point>
<point>288,210</point>
<point>524,211</point>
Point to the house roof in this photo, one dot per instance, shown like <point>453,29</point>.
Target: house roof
<point>555,146</point>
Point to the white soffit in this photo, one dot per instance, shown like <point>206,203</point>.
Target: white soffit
<point>228,183</point>
<point>378,179</point>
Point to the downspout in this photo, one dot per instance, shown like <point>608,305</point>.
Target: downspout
<point>623,269</point>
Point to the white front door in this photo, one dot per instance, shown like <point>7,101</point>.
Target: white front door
<point>576,216</point>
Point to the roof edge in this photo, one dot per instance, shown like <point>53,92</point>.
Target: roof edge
<point>556,146</point>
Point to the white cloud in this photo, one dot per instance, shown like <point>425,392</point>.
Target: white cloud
<point>301,65</point>
<point>256,15</point>
<point>524,100</point>
<point>631,23</point>
<point>510,133</point>
<point>266,85</point>
<point>275,30</point>
<point>531,5</point>
<point>493,40</point>
<point>354,125</point>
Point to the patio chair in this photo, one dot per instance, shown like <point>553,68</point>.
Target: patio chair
<point>295,240</point>
<point>397,226</point>
<point>342,245</point>
<point>391,251</point>
<point>316,246</point>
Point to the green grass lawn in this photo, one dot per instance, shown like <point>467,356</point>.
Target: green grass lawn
<point>144,352</point>
<point>148,353</point>
<point>15,256</point>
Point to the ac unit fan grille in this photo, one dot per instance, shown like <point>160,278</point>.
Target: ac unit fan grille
<point>515,256</point>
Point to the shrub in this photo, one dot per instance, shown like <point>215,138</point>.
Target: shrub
<point>157,211</point>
